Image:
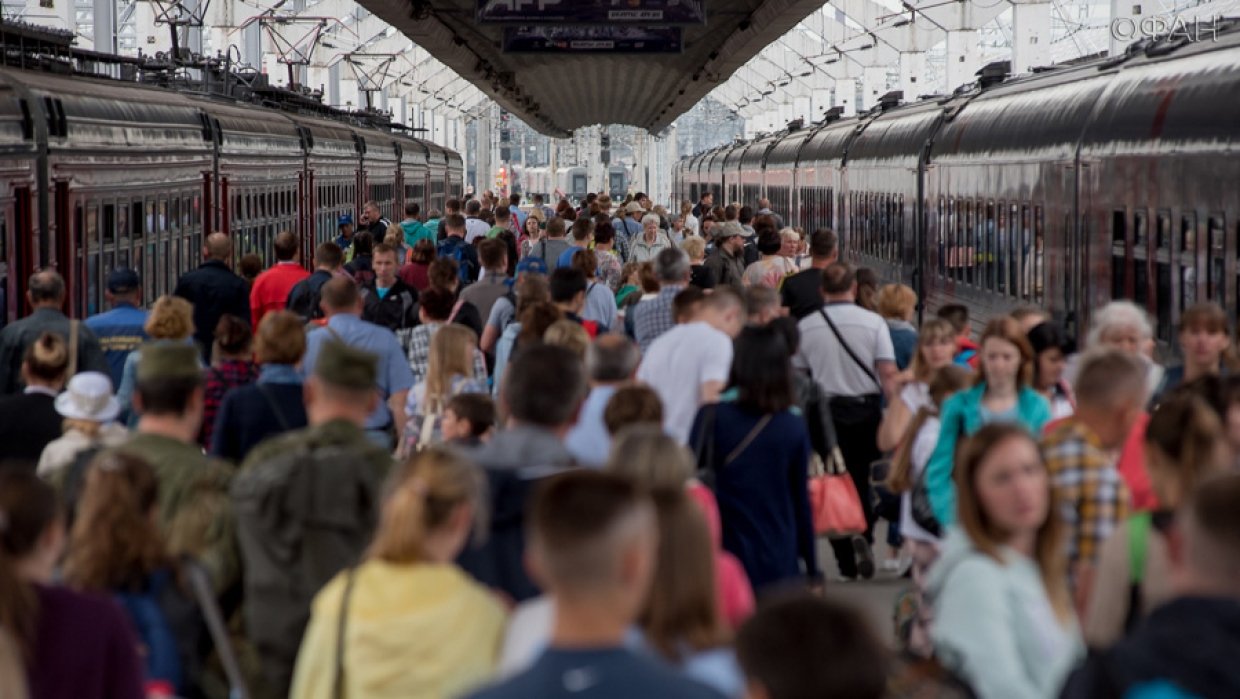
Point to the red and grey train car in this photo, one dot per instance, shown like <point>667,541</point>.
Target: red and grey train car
<point>97,173</point>
<point>1114,178</point>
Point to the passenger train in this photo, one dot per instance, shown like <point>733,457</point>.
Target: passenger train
<point>98,173</point>
<point>1112,178</point>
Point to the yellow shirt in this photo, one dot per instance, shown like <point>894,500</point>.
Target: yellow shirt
<point>413,631</point>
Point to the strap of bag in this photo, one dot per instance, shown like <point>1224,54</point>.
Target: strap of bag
<point>1138,545</point>
<point>456,308</point>
<point>335,335</point>
<point>74,324</point>
<point>868,371</point>
<point>275,407</point>
<point>200,584</point>
<point>753,434</point>
<point>428,427</point>
<point>341,627</point>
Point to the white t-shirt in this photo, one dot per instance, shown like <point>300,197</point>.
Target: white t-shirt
<point>865,332</point>
<point>475,228</point>
<point>923,446</point>
<point>915,395</point>
<point>527,636</point>
<point>676,365</point>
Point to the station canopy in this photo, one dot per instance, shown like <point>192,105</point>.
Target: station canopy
<point>563,64</point>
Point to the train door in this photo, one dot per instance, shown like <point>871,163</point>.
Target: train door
<point>16,226</point>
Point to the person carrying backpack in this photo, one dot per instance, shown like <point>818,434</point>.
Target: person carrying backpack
<point>306,505</point>
<point>455,247</point>
<point>553,244</point>
<point>304,297</point>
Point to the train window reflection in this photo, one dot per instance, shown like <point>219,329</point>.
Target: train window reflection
<point>1038,252</point>
<point>1119,255</point>
<point>1188,260</point>
<point>1162,238</point>
<point>1140,253</point>
<point>1216,242</point>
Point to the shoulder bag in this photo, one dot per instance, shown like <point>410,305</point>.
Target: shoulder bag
<point>862,365</point>
<point>342,626</point>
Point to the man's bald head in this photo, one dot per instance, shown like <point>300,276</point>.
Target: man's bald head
<point>218,247</point>
<point>46,288</point>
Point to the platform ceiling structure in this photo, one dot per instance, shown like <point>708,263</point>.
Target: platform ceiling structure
<point>557,93</point>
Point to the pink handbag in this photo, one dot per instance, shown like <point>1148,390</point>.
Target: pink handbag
<point>833,499</point>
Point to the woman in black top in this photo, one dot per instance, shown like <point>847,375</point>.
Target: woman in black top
<point>29,421</point>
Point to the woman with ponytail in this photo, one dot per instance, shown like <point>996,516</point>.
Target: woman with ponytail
<point>115,548</point>
<point>1184,446</point>
<point>75,645</point>
<point>29,421</point>
<point>407,621</point>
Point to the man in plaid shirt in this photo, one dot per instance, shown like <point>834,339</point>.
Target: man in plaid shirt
<point>1080,453</point>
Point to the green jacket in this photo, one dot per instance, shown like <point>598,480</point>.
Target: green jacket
<point>194,509</point>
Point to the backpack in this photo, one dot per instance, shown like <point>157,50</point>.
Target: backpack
<point>304,298</point>
<point>145,611</point>
<point>457,252</point>
<point>302,517</point>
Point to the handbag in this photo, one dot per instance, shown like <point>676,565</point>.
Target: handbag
<point>833,499</point>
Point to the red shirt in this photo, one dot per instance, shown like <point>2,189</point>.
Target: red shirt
<point>270,291</point>
<point>416,275</point>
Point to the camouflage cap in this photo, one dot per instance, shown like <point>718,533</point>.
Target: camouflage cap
<point>347,367</point>
<point>166,361</point>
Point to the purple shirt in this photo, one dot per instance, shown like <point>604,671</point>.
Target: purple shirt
<point>84,648</point>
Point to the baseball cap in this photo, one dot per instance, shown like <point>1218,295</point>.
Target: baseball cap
<point>123,279</point>
<point>532,264</point>
<point>345,220</point>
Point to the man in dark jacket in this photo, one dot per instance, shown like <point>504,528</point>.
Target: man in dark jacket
<point>295,528</point>
<point>1188,647</point>
<point>303,298</point>
<point>543,389</point>
<point>387,300</point>
<point>726,260</point>
<point>374,221</point>
<point>214,290</point>
<point>46,294</point>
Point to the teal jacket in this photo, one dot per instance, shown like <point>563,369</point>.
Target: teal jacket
<point>994,625</point>
<point>961,414</point>
<point>415,231</point>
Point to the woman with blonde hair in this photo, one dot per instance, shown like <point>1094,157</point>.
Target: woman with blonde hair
<point>1184,446</point>
<point>936,344</point>
<point>171,320</point>
<point>28,420</point>
<point>89,410</point>
<point>449,372</point>
<point>896,304</point>
<point>407,623</point>
<point>116,548</point>
<point>1003,616</point>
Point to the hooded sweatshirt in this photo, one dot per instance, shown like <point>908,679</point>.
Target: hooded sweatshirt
<point>415,231</point>
<point>994,625</point>
<point>421,630</point>
<point>1186,649</point>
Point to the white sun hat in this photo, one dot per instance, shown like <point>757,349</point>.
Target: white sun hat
<point>89,397</point>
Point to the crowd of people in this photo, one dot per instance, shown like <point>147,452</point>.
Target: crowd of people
<point>516,451</point>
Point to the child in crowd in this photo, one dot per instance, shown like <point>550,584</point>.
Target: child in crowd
<point>468,419</point>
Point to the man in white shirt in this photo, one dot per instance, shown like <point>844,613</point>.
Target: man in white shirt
<point>688,366</point>
<point>848,351</point>
<point>475,227</point>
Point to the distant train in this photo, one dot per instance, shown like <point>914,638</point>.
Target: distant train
<point>572,183</point>
<point>96,174</point>
<point>1115,178</point>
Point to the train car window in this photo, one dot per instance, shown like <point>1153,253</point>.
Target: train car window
<point>955,253</point>
<point>1038,254</point>
<point>86,223</point>
<point>990,240</point>
<point>1119,254</point>
<point>970,242</point>
<point>898,250</point>
<point>1140,254</point>
<point>1003,243</point>
<point>1189,273</point>
<point>1162,259</point>
<point>1216,241</point>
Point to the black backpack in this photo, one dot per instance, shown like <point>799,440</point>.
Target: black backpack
<point>304,297</point>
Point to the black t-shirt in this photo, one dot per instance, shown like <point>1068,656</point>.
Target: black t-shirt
<point>802,293</point>
<point>702,277</point>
